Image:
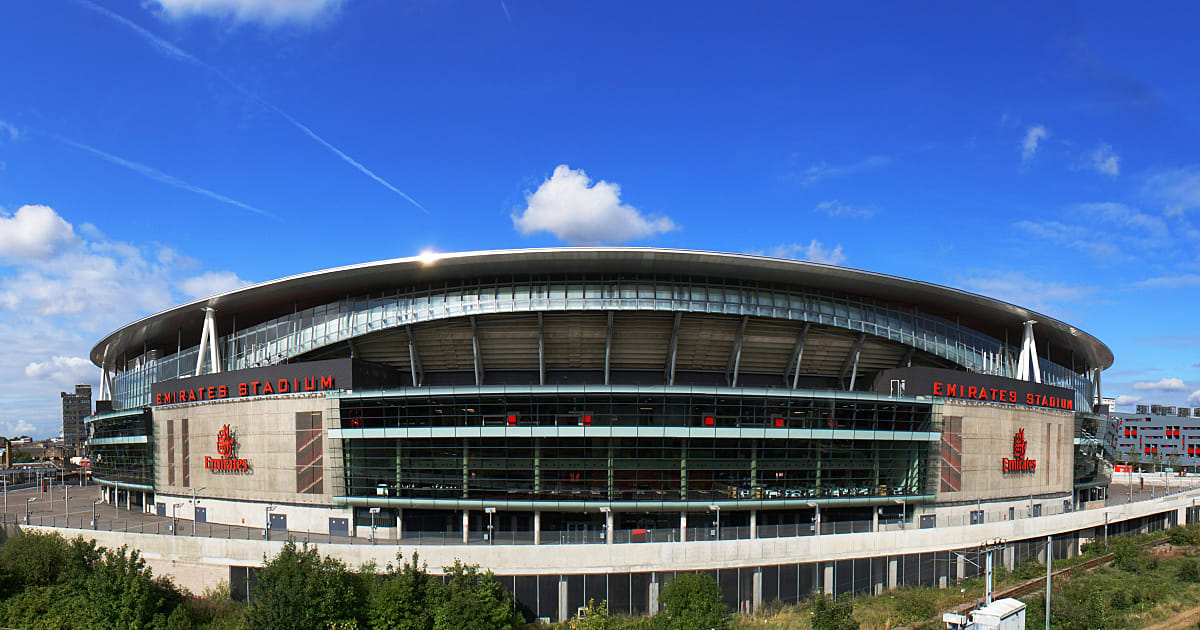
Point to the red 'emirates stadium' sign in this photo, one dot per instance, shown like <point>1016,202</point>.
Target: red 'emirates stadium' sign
<point>249,388</point>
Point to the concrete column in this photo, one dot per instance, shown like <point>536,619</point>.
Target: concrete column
<point>827,577</point>
<point>683,527</point>
<point>753,524</point>
<point>537,528</point>
<point>563,613</point>
<point>875,518</point>
<point>653,594</point>
<point>399,523</point>
<point>608,527</point>
<point>466,525</point>
<point>893,573</point>
<point>756,599</point>
<point>1010,557</point>
<point>962,567</point>
<point>129,501</point>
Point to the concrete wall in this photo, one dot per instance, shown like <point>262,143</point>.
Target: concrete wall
<point>265,431</point>
<point>987,437</point>
<point>165,552</point>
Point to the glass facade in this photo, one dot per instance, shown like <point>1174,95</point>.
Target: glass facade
<point>635,449</point>
<point>292,335</point>
<point>121,449</point>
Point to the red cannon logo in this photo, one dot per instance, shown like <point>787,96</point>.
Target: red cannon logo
<point>226,444</point>
<point>1019,444</point>
<point>1018,463</point>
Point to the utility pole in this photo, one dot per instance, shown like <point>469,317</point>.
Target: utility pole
<point>1049,560</point>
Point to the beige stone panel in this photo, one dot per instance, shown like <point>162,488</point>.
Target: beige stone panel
<point>988,431</point>
<point>265,430</point>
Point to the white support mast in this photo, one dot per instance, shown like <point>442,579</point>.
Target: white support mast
<point>209,342</point>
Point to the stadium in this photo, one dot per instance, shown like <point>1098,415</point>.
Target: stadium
<point>564,394</point>
<point>592,398</point>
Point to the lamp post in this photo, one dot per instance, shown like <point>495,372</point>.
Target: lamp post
<point>716,508</point>
<point>606,511</point>
<point>490,511</point>
<point>6,494</point>
<point>195,504</point>
<point>373,512</point>
<point>94,504</point>
<point>267,521</point>
<point>903,511</point>
<point>27,502</point>
<point>816,518</point>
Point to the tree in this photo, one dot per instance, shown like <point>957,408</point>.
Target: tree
<point>830,615</point>
<point>474,601</point>
<point>595,617</point>
<point>300,590</point>
<point>692,601</point>
<point>406,599</point>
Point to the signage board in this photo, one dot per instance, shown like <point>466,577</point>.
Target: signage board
<point>927,381</point>
<point>287,378</point>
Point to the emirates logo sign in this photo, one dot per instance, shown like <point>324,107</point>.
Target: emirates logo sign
<point>227,448</point>
<point>1018,463</point>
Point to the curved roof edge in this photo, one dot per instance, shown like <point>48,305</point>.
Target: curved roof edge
<point>262,301</point>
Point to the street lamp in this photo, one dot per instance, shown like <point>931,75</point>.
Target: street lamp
<point>267,521</point>
<point>94,504</point>
<point>903,511</point>
<point>816,518</point>
<point>27,502</point>
<point>607,512</point>
<point>196,504</point>
<point>491,511</point>
<point>716,508</point>
<point>5,494</point>
<point>373,512</point>
<point>174,510</point>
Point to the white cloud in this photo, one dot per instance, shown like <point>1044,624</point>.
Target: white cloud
<point>1170,282</point>
<point>574,210</point>
<point>10,129</point>
<point>33,232</point>
<point>1178,188</point>
<point>270,12</point>
<point>836,208</point>
<point>815,251</point>
<point>1194,397</point>
<point>211,283</point>
<point>1104,160</point>
<point>1161,385</point>
<point>1029,145</point>
<point>16,429</point>
<point>62,287</point>
<point>1125,399</point>
<point>1128,218</point>
<point>63,371</point>
<point>822,170</point>
<point>1053,298</point>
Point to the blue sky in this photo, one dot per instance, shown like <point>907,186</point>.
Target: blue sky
<point>152,151</point>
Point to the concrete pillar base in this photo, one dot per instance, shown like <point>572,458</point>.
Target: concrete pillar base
<point>563,613</point>
<point>466,526</point>
<point>827,577</point>
<point>653,595</point>
<point>893,573</point>
<point>537,528</point>
<point>756,598</point>
<point>753,524</point>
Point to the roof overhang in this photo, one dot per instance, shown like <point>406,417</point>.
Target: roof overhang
<point>268,300</point>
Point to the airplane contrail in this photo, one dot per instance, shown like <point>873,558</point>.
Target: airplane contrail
<point>174,51</point>
<point>507,16</point>
<point>159,176</point>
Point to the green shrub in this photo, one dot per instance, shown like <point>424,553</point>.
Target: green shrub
<point>830,615</point>
<point>915,604</point>
<point>691,601</point>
